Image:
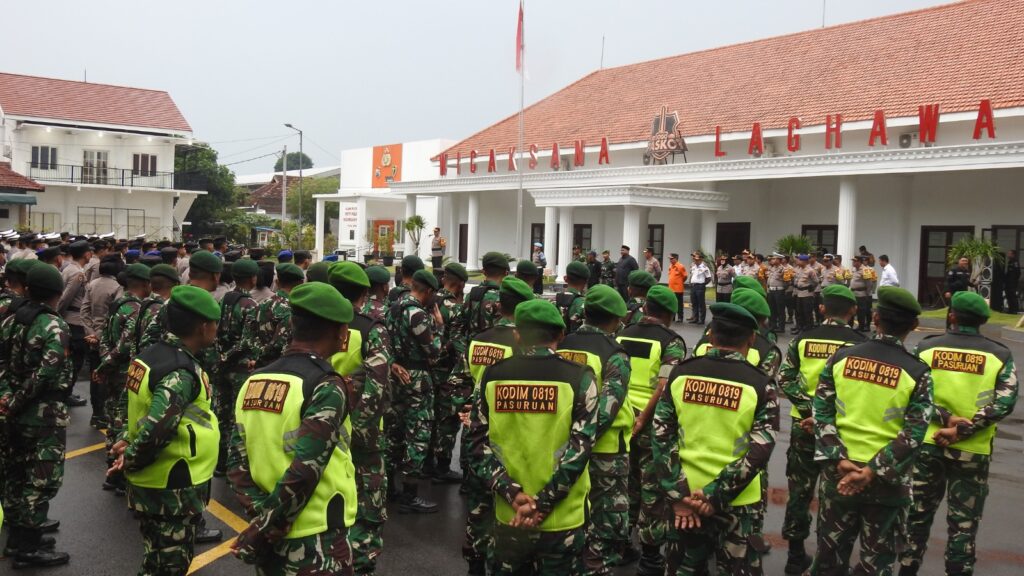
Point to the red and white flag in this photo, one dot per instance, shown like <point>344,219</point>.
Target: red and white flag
<point>519,40</point>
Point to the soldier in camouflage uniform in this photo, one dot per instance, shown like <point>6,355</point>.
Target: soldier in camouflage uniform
<point>607,534</point>
<point>268,328</point>
<point>291,466</point>
<point>369,367</point>
<point>713,486</point>
<point>413,323</point>
<point>871,411</point>
<point>639,283</point>
<point>237,308</point>
<point>409,266</point>
<point>607,269</point>
<point>654,350</point>
<point>35,381</point>
<point>162,279</point>
<point>975,387</point>
<point>12,298</point>
<point>448,397</point>
<point>539,508</point>
<point>375,307</point>
<point>480,311</point>
<point>116,355</point>
<point>805,358</point>
<point>169,414</point>
<point>570,302</point>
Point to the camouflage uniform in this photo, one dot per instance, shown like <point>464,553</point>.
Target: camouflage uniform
<point>518,551</point>
<point>148,313</point>
<point>8,300</point>
<point>570,304</point>
<point>237,308</point>
<point>372,390</point>
<point>374,308</point>
<point>156,331</point>
<point>263,542</point>
<point>396,294</point>
<point>449,397</point>
<point>607,533</point>
<point>876,513</point>
<point>417,346</point>
<point>635,307</point>
<point>608,273</point>
<point>961,474</point>
<point>35,381</point>
<point>115,357</point>
<point>268,330</point>
<point>726,534</point>
<point>480,310</point>
<point>168,518</point>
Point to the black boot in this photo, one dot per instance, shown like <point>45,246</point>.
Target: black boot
<point>798,560</point>
<point>651,563</point>
<point>629,554</point>
<point>909,570</point>
<point>33,551</point>
<point>411,503</point>
<point>47,542</point>
<point>50,526</point>
<point>205,535</point>
<point>446,477</point>
<point>477,567</point>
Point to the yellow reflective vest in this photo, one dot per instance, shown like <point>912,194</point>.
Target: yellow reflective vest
<point>593,349</point>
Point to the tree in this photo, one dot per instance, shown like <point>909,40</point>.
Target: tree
<point>414,226</point>
<point>310,187</point>
<point>294,160</point>
<point>794,244</point>
<point>198,164</point>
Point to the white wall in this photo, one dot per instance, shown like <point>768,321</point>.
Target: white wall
<point>66,200</point>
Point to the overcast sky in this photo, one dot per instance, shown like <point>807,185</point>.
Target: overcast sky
<point>354,74</point>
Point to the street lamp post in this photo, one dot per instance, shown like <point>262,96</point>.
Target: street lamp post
<point>302,157</point>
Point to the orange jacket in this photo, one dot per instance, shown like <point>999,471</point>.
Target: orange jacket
<point>677,277</point>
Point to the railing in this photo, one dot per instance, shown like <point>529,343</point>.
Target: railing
<point>105,176</point>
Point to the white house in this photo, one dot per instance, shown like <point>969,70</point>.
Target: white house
<point>902,133</point>
<point>105,155</point>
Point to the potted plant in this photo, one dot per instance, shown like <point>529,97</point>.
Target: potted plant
<point>370,247</point>
<point>792,244</point>
<point>414,227</point>
<point>386,248</point>
<point>981,253</point>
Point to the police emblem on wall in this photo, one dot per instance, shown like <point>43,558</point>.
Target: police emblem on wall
<point>666,139</point>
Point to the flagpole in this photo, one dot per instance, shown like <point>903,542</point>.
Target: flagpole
<point>519,162</point>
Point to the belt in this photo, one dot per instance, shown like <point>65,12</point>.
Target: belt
<point>724,283</point>
<point>861,293</point>
<point>776,288</point>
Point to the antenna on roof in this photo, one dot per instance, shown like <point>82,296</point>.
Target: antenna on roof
<point>602,52</point>
<point>85,74</point>
<point>823,4</point>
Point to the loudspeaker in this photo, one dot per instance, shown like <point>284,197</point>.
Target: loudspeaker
<point>985,278</point>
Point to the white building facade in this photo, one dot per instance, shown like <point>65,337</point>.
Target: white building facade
<point>105,154</point>
<point>904,151</point>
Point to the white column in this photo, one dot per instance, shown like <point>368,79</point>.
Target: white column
<point>634,232</point>
<point>473,235</point>
<point>708,232</point>
<point>845,238</point>
<point>318,244</point>
<point>450,228</point>
<point>410,211</point>
<point>564,239</point>
<point>361,218</point>
<point>550,231</point>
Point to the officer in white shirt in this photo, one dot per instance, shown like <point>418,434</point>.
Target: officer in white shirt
<point>889,277</point>
<point>700,274</point>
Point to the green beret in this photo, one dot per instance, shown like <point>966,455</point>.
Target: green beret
<point>21,265</point>
<point>527,268</point>
<point>641,279</point>
<point>495,260</point>
<point>378,274</point>
<point>838,291</point>
<point>137,271</point>
<point>290,272</point>
<point>45,277</point>
<point>970,302</point>
<point>896,299</point>
<point>749,282</point>
<point>457,270</point>
<point>426,278</point>
<point>516,287</point>
<point>538,313</point>
<point>606,299</point>
<point>412,262</point>
<point>343,274</point>
<point>579,270</point>
<point>244,268</point>
<point>751,302</point>
<point>165,270</point>
<point>318,272</point>
<point>323,301</point>
<point>196,300</point>
<point>734,313</point>
<point>663,297</point>
<point>203,260</point>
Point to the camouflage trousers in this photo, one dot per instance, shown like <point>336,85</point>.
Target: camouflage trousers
<point>841,520</point>
<point>607,534</point>
<point>413,421</point>
<point>115,406</point>
<point>520,552</point>
<point>365,535</point>
<point>324,553</point>
<point>168,544</point>
<point>479,520</point>
<point>35,471</point>
<point>966,486</point>
<point>802,476</point>
<point>446,420</point>
<point>647,510</point>
<point>724,537</point>
<point>224,394</point>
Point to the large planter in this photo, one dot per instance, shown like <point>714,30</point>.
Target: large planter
<point>388,260</point>
<point>367,258</point>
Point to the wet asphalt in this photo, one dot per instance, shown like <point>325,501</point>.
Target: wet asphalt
<point>103,539</point>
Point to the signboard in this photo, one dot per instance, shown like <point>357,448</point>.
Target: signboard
<point>666,138</point>
<point>387,165</point>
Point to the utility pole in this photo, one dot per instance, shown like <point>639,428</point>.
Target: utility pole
<point>284,185</point>
<point>302,157</point>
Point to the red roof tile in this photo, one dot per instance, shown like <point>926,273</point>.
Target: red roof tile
<point>268,196</point>
<point>86,102</point>
<point>9,179</point>
<point>954,55</point>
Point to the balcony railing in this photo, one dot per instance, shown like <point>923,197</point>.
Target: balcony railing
<point>105,176</point>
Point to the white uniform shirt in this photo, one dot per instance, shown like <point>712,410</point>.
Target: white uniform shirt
<point>889,277</point>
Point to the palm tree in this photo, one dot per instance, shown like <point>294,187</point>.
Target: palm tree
<point>414,227</point>
<point>980,252</point>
